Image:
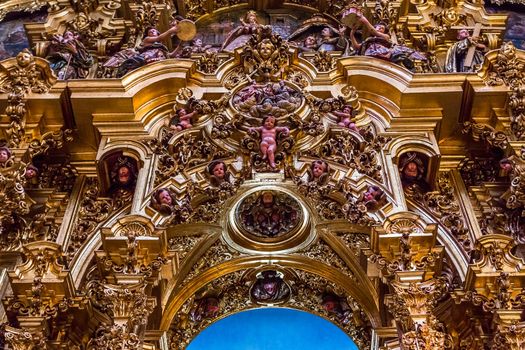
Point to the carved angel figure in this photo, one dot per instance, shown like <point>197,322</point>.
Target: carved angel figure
<point>206,307</point>
<point>316,185</point>
<point>240,35</point>
<point>270,288</point>
<point>373,198</point>
<point>163,201</point>
<point>68,57</point>
<point>266,56</point>
<point>223,185</point>
<point>166,202</point>
<point>380,45</point>
<point>5,157</point>
<point>338,306</point>
<point>268,144</point>
<point>150,50</point>
<point>181,119</point>
<point>345,117</point>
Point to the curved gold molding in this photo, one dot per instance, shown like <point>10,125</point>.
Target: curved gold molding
<point>362,296</point>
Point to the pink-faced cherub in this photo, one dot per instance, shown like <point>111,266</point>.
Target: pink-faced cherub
<point>181,120</point>
<point>5,154</point>
<point>345,118</point>
<point>269,132</point>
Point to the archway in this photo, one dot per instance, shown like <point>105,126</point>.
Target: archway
<point>272,328</point>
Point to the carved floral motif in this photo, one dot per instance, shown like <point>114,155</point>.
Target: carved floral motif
<point>508,70</point>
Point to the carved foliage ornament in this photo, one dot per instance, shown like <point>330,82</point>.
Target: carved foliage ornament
<point>93,210</point>
<point>348,149</point>
<point>232,293</point>
<point>266,56</point>
<point>18,78</point>
<point>444,205</point>
<point>508,69</point>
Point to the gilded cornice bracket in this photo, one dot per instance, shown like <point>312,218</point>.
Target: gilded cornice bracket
<point>510,334</point>
<point>131,307</point>
<point>492,256</point>
<point>484,132</point>
<point>412,305</point>
<point>133,249</point>
<point>406,243</point>
<point>45,262</point>
<point>22,339</point>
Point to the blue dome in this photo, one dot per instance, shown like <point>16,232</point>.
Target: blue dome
<point>272,329</point>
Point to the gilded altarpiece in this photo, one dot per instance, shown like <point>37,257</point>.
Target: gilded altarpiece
<point>164,165</point>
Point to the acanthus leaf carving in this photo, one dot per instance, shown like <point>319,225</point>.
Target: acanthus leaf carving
<point>27,75</point>
<point>508,69</point>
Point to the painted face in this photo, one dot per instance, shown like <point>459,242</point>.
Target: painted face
<point>380,28</point>
<point>218,170</point>
<point>329,305</point>
<point>30,173</point>
<point>270,287</point>
<point>347,110</point>
<point>153,32</point>
<point>68,35</point>
<point>326,32</point>
<point>4,155</point>
<point>251,18</point>
<point>165,198</point>
<point>123,175</point>
<point>182,112</point>
<point>269,123</point>
<point>411,169</point>
<point>267,199</point>
<point>370,194</point>
<point>463,34</point>
<point>506,166</point>
<point>319,169</point>
<point>310,41</point>
<point>197,42</point>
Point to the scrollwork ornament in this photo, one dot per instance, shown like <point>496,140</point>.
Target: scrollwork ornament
<point>27,75</point>
<point>93,210</point>
<point>347,149</point>
<point>444,205</point>
<point>209,62</point>
<point>223,127</point>
<point>508,69</point>
<point>425,337</point>
<point>486,133</point>
<point>323,61</point>
<point>114,337</point>
<point>49,141</point>
<point>23,339</point>
<point>266,56</point>
<point>509,336</point>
